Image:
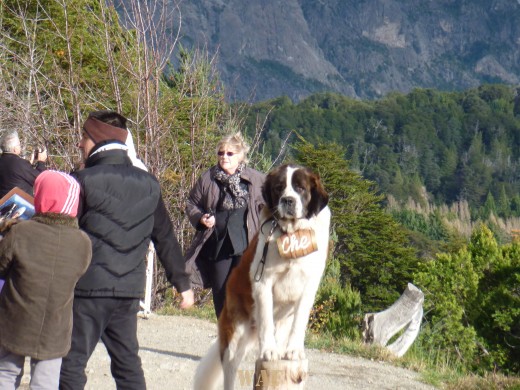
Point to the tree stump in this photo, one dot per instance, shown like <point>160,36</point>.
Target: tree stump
<point>406,312</point>
<point>280,374</point>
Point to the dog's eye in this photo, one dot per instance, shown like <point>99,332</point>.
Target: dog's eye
<point>299,189</point>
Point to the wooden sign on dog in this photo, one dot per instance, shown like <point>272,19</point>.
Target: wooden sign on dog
<point>297,244</point>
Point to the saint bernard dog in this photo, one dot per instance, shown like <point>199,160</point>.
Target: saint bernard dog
<point>270,294</point>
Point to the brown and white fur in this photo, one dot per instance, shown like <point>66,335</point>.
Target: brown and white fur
<point>271,311</point>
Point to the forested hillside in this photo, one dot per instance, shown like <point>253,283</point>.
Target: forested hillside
<point>432,146</point>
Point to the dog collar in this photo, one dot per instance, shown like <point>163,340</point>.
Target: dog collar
<point>260,269</point>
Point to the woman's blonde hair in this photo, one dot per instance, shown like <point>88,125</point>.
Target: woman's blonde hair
<point>237,143</point>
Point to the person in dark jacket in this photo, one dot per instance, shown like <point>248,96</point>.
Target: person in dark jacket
<point>224,207</point>
<point>41,260</point>
<point>16,171</point>
<point>121,209</point>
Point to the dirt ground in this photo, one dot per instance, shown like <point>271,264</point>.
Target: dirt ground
<point>171,347</point>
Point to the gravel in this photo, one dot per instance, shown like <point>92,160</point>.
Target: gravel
<point>171,347</point>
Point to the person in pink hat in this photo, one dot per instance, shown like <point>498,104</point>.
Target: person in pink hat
<point>41,260</point>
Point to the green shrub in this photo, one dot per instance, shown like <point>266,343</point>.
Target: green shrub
<point>337,310</point>
<point>472,304</point>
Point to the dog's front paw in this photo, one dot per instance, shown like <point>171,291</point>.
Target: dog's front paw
<point>270,355</point>
<point>295,354</point>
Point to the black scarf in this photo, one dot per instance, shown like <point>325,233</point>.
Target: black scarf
<point>236,196</point>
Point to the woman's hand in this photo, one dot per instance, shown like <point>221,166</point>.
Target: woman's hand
<point>208,220</point>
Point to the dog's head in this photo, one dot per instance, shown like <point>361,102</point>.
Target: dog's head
<point>292,192</point>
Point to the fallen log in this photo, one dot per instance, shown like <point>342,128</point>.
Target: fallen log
<point>407,311</point>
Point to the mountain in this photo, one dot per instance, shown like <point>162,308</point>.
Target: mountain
<point>359,48</point>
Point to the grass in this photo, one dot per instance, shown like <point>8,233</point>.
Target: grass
<point>202,313</point>
<point>434,369</point>
<point>488,382</point>
<point>203,308</point>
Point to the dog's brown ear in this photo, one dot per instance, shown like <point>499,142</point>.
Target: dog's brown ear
<point>319,197</point>
<point>267,192</point>
<point>270,182</point>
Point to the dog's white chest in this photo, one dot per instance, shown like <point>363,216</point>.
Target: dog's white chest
<point>290,285</point>
<point>289,277</point>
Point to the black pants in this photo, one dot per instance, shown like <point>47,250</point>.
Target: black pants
<point>221,270</point>
<point>114,321</point>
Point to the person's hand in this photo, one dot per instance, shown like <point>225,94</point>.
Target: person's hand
<point>208,220</point>
<point>188,299</point>
<point>42,155</point>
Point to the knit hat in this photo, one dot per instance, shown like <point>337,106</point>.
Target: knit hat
<point>100,131</point>
<point>56,192</point>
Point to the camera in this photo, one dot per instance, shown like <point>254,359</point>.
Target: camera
<point>37,149</point>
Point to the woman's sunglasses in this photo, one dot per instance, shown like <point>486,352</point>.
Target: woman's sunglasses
<point>229,154</point>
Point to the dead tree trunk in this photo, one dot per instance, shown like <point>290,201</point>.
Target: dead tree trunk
<point>406,312</point>
<point>280,374</point>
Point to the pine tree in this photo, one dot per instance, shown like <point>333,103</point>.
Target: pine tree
<point>372,249</point>
<point>504,206</point>
<point>489,208</point>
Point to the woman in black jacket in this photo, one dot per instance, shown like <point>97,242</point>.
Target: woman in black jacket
<point>224,207</point>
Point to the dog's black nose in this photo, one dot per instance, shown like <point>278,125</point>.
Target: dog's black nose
<point>287,201</point>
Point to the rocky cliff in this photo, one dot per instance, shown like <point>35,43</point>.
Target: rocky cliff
<point>360,48</point>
